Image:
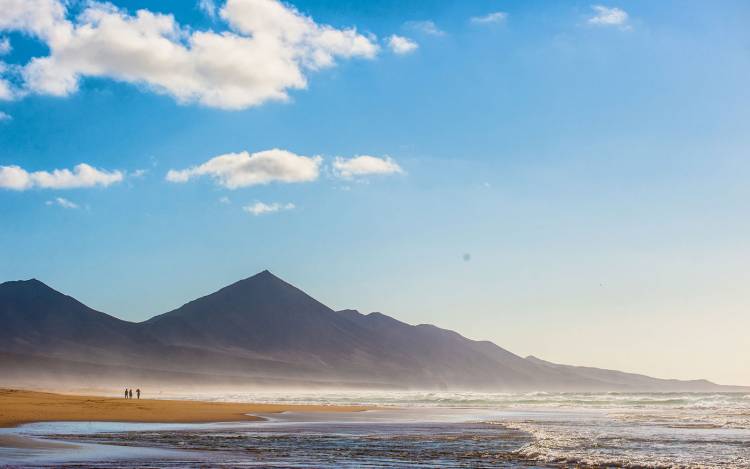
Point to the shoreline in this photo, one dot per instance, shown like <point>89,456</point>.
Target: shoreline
<point>18,407</point>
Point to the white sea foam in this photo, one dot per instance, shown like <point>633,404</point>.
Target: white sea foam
<point>666,430</point>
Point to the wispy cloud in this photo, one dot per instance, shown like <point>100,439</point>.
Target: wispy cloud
<point>5,46</point>
<point>83,175</point>
<point>62,202</point>
<point>235,170</point>
<point>425,27</point>
<point>365,165</point>
<point>270,49</point>
<point>5,116</point>
<point>401,45</point>
<point>225,200</point>
<point>490,18</point>
<point>609,16</point>
<point>6,89</point>
<point>208,7</point>
<point>260,208</point>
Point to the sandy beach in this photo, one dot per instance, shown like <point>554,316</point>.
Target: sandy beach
<point>20,406</point>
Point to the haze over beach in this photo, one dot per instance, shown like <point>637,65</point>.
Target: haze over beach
<point>441,233</point>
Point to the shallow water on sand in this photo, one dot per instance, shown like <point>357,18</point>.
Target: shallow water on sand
<point>367,439</point>
<point>685,430</point>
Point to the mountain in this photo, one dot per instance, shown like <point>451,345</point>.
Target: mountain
<point>264,331</point>
<point>36,319</point>
<point>263,316</point>
<point>628,380</point>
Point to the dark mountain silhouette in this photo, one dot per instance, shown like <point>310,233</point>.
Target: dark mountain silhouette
<point>36,319</point>
<point>262,330</point>
<point>264,316</point>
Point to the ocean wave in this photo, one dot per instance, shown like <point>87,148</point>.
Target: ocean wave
<point>611,401</point>
<point>598,441</point>
<point>608,429</point>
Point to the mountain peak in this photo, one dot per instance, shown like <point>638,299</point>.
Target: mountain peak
<point>264,274</point>
<point>34,298</point>
<point>30,281</point>
<point>263,279</point>
<point>25,285</point>
<point>261,295</point>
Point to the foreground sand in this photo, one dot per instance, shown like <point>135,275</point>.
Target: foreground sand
<point>17,407</point>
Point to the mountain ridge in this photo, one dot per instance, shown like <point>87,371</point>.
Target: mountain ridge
<point>263,328</point>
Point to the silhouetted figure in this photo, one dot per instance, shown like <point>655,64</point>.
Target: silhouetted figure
<point>138,393</point>
<point>130,394</point>
<point>126,393</point>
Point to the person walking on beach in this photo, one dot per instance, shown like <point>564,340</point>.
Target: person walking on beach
<point>130,394</point>
<point>126,393</point>
<point>138,393</point>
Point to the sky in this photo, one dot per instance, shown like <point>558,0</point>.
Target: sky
<point>566,179</point>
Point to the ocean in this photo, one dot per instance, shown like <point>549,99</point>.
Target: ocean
<point>428,429</point>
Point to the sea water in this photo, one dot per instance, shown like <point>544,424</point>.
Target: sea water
<point>449,429</point>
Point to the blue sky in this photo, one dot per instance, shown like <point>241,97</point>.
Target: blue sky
<point>567,179</point>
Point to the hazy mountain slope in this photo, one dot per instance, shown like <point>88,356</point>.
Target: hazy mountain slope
<point>262,330</point>
<point>441,356</point>
<point>446,355</point>
<point>628,381</point>
<point>39,371</point>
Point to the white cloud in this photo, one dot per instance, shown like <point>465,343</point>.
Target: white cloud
<point>6,89</point>
<point>225,200</point>
<point>259,208</point>
<point>234,170</point>
<point>269,49</point>
<point>42,18</point>
<point>402,45</point>
<point>16,178</point>
<point>4,116</point>
<point>5,46</point>
<point>606,16</point>
<point>64,203</point>
<point>208,7</point>
<point>365,165</point>
<point>425,27</point>
<point>490,18</point>
<point>138,173</point>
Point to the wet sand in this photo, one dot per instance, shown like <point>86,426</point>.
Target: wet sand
<point>19,407</point>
